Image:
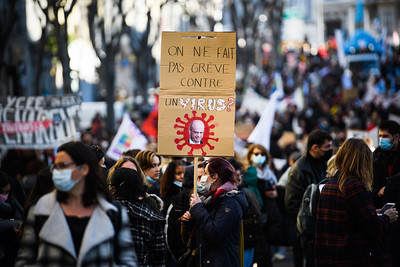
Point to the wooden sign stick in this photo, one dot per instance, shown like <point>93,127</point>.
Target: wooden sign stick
<point>195,163</point>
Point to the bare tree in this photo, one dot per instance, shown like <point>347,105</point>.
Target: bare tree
<point>245,20</point>
<point>142,44</point>
<point>8,19</point>
<point>106,20</point>
<point>56,13</point>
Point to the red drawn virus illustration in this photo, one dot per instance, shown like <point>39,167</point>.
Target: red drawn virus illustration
<point>187,131</point>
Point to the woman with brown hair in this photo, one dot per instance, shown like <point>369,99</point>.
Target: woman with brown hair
<point>171,182</point>
<point>131,163</point>
<point>128,162</point>
<point>77,224</point>
<point>348,230</point>
<point>150,162</point>
<point>218,216</point>
<point>147,225</point>
<point>260,179</point>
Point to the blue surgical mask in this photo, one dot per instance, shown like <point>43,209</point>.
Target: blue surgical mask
<point>152,181</point>
<point>385,144</point>
<point>178,183</point>
<point>258,159</point>
<point>200,189</point>
<point>62,179</point>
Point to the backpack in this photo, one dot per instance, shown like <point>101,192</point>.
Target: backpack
<point>308,209</point>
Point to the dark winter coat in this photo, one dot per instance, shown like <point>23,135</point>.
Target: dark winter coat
<point>172,193</point>
<point>176,244</point>
<point>252,222</point>
<point>10,213</point>
<point>348,230</point>
<point>305,171</point>
<point>392,240</point>
<point>218,229</point>
<point>382,159</point>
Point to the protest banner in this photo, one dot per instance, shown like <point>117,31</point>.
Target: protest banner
<point>127,137</point>
<point>38,122</point>
<point>197,94</point>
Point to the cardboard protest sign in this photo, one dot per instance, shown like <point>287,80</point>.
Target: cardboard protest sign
<point>38,122</point>
<point>197,94</point>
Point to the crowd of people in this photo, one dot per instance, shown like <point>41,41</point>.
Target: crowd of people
<point>75,207</point>
<point>142,211</point>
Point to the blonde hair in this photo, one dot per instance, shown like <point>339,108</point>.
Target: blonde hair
<point>354,159</point>
<point>120,162</point>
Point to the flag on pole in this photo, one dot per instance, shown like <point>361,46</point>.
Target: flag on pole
<point>262,132</point>
<point>150,124</point>
<point>128,137</point>
<point>252,102</point>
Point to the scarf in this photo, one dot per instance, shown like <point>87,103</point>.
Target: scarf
<point>251,179</point>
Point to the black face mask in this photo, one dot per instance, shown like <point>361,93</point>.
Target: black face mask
<point>327,155</point>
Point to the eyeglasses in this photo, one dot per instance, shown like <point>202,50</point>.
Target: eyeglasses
<point>259,153</point>
<point>61,165</point>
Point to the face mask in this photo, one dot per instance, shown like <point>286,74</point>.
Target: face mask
<point>327,155</point>
<point>203,181</point>
<point>150,180</point>
<point>385,144</point>
<point>207,187</point>
<point>200,189</point>
<point>62,179</point>
<point>258,159</point>
<point>4,197</point>
<point>178,183</point>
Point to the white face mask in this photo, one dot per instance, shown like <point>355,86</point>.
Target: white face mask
<point>203,182</point>
<point>62,179</point>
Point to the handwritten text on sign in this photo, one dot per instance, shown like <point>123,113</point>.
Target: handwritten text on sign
<point>218,104</point>
<point>197,90</point>
<point>197,66</point>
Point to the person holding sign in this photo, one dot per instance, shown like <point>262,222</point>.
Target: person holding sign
<point>196,131</point>
<point>217,216</point>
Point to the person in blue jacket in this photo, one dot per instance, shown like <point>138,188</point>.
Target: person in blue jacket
<point>217,215</point>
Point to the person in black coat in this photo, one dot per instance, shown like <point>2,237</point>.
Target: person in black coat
<point>310,168</point>
<point>386,159</point>
<point>10,222</point>
<point>392,240</point>
<point>218,216</point>
<point>171,182</point>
